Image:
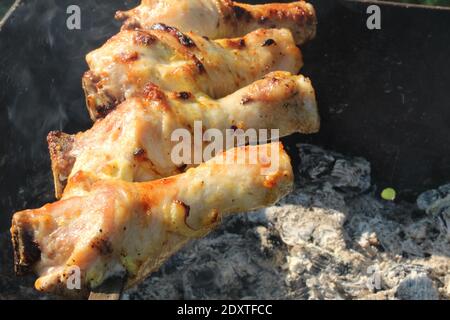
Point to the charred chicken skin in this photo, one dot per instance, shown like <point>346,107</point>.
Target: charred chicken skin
<point>218,19</point>
<point>133,143</point>
<point>132,228</point>
<point>174,61</point>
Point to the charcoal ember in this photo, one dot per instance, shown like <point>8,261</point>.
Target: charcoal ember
<point>437,204</point>
<point>349,174</point>
<point>353,174</point>
<point>427,200</point>
<point>394,275</point>
<point>299,225</point>
<point>417,286</point>
<point>315,163</point>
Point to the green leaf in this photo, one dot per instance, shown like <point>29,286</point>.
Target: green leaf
<point>389,194</point>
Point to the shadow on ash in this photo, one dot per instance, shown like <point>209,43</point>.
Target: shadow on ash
<point>332,238</point>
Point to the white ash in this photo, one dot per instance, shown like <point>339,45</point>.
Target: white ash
<point>332,238</point>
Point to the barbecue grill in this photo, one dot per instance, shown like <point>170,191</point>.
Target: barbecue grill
<point>383,94</point>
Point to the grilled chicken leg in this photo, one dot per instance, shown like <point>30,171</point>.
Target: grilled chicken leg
<point>182,62</point>
<point>134,227</point>
<point>223,18</point>
<point>134,142</point>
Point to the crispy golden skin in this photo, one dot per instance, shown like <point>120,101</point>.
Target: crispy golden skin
<point>184,63</point>
<point>120,227</point>
<point>223,18</point>
<point>134,142</point>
